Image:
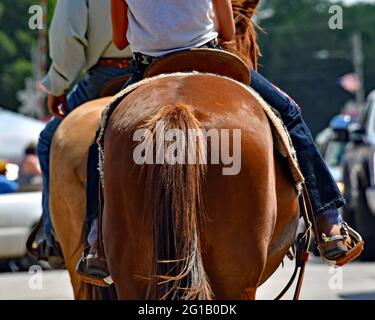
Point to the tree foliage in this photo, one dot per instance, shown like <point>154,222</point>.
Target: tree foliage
<point>16,42</point>
<point>294,33</point>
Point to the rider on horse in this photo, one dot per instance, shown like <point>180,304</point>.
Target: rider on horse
<point>160,27</point>
<point>80,41</point>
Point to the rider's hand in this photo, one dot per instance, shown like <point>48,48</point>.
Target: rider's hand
<point>57,106</point>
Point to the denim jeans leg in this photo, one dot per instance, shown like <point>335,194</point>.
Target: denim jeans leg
<point>85,90</point>
<point>44,146</point>
<point>322,188</point>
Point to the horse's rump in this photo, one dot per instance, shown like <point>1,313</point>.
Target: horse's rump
<point>239,223</point>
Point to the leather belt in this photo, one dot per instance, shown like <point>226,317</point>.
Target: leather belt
<point>147,60</point>
<point>121,63</point>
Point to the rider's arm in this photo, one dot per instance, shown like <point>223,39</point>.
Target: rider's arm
<point>68,44</point>
<point>223,18</point>
<point>119,11</point>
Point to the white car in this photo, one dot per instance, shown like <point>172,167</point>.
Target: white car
<point>16,132</point>
<point>19,212</point>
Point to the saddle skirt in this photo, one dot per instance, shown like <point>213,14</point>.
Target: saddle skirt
<point>282,140</point>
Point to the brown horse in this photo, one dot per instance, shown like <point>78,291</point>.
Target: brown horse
<point>188,231</point>
<point>68,185</point>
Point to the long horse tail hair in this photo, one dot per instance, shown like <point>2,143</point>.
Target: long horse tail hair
<point>175,194</point>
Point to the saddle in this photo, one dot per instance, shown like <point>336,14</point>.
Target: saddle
<point>113,86</point>
<point>212,61</point>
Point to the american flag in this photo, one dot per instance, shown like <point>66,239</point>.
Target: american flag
<point>350,82</point>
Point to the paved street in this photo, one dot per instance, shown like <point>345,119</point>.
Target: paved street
<point>54,285</point>
<point>352,282</point>
<point>356,281</point>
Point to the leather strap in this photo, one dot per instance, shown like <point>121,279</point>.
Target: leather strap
<point>101,252</point>
<point>302,246</point>
<point>310,211</point>
<point>115,62</point>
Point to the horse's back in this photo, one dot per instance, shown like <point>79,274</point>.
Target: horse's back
<point>77,131</point>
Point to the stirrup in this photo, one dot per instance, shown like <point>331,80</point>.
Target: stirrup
<point>104,283</point>
<point>82,270</point>
<point>355,246</point>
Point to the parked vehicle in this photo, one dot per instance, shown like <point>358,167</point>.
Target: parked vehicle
<point>359,178</point>
<point>16,132</point>
<point>336,146</point>
<point>19,212</point>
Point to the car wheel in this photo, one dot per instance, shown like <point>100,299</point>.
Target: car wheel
<point>365,223</point>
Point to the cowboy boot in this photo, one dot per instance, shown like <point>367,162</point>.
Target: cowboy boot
<point>39,248</point>
<point>338,243</point>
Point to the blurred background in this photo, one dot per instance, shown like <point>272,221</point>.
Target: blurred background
<point>330,72</point>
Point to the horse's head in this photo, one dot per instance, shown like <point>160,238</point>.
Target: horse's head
<point>245,42</point>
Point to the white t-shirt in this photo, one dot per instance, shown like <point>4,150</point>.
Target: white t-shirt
<point>160,27</point>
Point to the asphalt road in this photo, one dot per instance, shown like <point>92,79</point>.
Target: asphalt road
<point>355,281</point>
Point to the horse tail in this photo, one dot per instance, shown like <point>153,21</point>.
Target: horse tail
<point>175,194</point>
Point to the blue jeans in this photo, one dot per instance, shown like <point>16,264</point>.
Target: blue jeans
<point>85,90</point>
<point>322,188</point>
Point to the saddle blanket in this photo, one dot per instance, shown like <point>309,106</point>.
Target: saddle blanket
<point>282,140</point>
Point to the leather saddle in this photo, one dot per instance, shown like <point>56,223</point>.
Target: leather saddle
<point>113,86</point>
<point>213,61</point>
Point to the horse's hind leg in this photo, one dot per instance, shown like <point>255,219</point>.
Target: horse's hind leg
<point>250,294</point>
<point>241,212</point>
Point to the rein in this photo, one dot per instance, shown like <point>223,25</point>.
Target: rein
<point>302,245</point>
